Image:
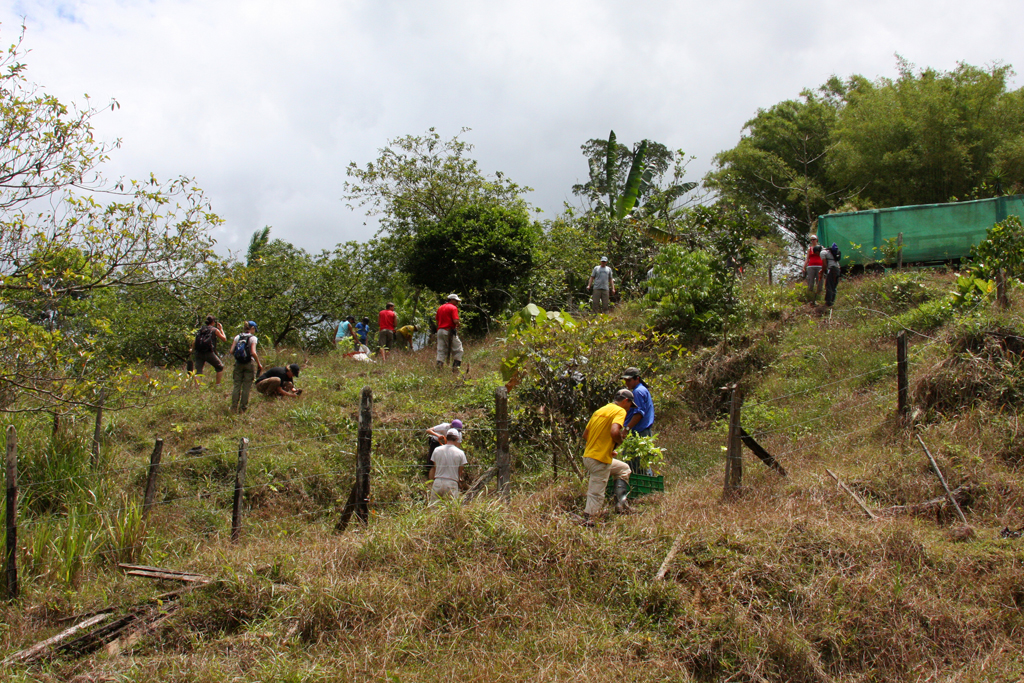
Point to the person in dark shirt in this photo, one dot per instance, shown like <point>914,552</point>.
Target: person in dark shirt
<point>279,381</point>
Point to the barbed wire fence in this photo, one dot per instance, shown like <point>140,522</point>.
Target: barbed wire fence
<point>358,504</point>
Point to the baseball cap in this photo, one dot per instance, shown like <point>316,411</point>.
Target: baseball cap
<point>630,373</point>
<point>623,393</point>
<point>294,367</point>
<point>454,434</point>
<point>604,259</point>
<point>251,324</point>
<point>456,423</point>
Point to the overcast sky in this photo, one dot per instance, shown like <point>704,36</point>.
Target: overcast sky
<point>266,103</point>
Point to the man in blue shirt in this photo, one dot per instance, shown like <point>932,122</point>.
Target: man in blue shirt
<point>640,417</point>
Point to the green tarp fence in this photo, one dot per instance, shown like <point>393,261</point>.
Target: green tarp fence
<point>931,232</point>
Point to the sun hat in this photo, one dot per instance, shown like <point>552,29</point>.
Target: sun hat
<point>454,297</point>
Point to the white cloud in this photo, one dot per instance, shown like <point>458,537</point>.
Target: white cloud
<point>266,103</point>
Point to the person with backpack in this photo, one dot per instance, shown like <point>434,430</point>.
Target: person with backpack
<point>247,365</point>
<point>812,270</point>
<point>830,257</point>
<point>204,347</point>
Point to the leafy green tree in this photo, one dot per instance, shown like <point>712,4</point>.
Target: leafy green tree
<point>479,250</point>
<point>624,181</point>
<point>931,136</point>
<point>418,180</point>
<point>779,171</point>
<point>63,253</point>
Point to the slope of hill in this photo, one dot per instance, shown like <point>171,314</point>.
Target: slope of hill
<point>787,579</point>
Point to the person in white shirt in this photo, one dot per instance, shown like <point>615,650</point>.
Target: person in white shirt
<point>448,468</point>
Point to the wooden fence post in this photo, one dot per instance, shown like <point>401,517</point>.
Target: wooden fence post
<point>734,452</point>
<point>1001,297</point>
<point>902,384</point>
<point>501,459</point>
<point>97,431</point>
<point>363,454</point>
<point>154,470</point>
<point>236,507</point>
<point>12,512</point>
<point>899,251</point>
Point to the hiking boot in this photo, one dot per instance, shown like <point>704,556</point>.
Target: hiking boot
<point>455,366</point>
<point>621,495</point>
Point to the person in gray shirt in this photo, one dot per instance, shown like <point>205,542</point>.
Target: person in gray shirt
<point>602,282</point>
<point>831,270</point>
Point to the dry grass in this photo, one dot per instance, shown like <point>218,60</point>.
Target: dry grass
<point>786,581</point>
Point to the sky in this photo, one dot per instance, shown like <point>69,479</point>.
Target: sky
<point>265,104</point>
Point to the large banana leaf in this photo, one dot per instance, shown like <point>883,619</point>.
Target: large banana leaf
<point>631,192</point>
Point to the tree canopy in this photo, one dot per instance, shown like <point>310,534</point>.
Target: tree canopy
<point>928,136</point>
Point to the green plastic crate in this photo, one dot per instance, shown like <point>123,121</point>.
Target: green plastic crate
<point>639,485</point>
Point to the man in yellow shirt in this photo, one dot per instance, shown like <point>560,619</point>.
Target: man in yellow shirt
<point>603,433</point>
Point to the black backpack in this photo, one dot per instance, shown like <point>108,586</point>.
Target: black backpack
<point>204,339</point>
<point>836,252</point>
<point>242,354</point>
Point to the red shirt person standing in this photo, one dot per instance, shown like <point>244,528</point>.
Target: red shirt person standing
<point>448,341</point>
<point>386,325</point>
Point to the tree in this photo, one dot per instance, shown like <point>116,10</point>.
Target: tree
<point>624,179</point>
<point>62,252</point>
<point>418,180</point>
<point>479,250</point>
<point>779,170</point>
<point>931,136</point>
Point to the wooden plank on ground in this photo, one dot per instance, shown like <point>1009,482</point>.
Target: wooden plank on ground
<point>853,495</point>
<point>40,649</point>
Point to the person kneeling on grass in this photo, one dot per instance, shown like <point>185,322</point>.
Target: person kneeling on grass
<point>603,433</point>
<point>278,381</point>
<point>448,468</point>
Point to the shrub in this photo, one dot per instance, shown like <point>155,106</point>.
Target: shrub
<point>692,291</point>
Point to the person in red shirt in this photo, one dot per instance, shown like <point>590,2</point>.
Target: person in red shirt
<point>386,325</point>
<point>448,341</point>
<point>812,270</point>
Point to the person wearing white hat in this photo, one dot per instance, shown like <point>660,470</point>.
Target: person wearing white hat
<point>449,463</point>
<point>448,342</point>
<point>602,281</point>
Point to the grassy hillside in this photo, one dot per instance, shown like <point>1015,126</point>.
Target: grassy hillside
<point>787,580</point>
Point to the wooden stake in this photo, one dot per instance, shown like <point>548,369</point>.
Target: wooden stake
<point>899,251</point>
<point>501,459</point>
<point>12,512</point>
<point>154,470</point>
<point>867,511</point>
<point>97,432</point>
<point>236,507</point>
<point>938,473</point>
<point>363,454</point>
<point>758,450</point>
<point>733,450</point>
<point>1001,298</point>
<point>902,383</point>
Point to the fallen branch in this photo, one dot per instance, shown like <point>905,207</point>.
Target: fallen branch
<point>163,574</point>
<point>960,493</point>
<point>673,551</point>
<point>938,473</point>
<point>853,495</point>
<point>478,485</point>
<point>40,649</point>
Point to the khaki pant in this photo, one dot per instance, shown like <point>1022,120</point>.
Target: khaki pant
<point>599,473</point>
<point>242,377</point>
<point>599,301</point>
<point>443,488</point>
<point>446,338</point>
